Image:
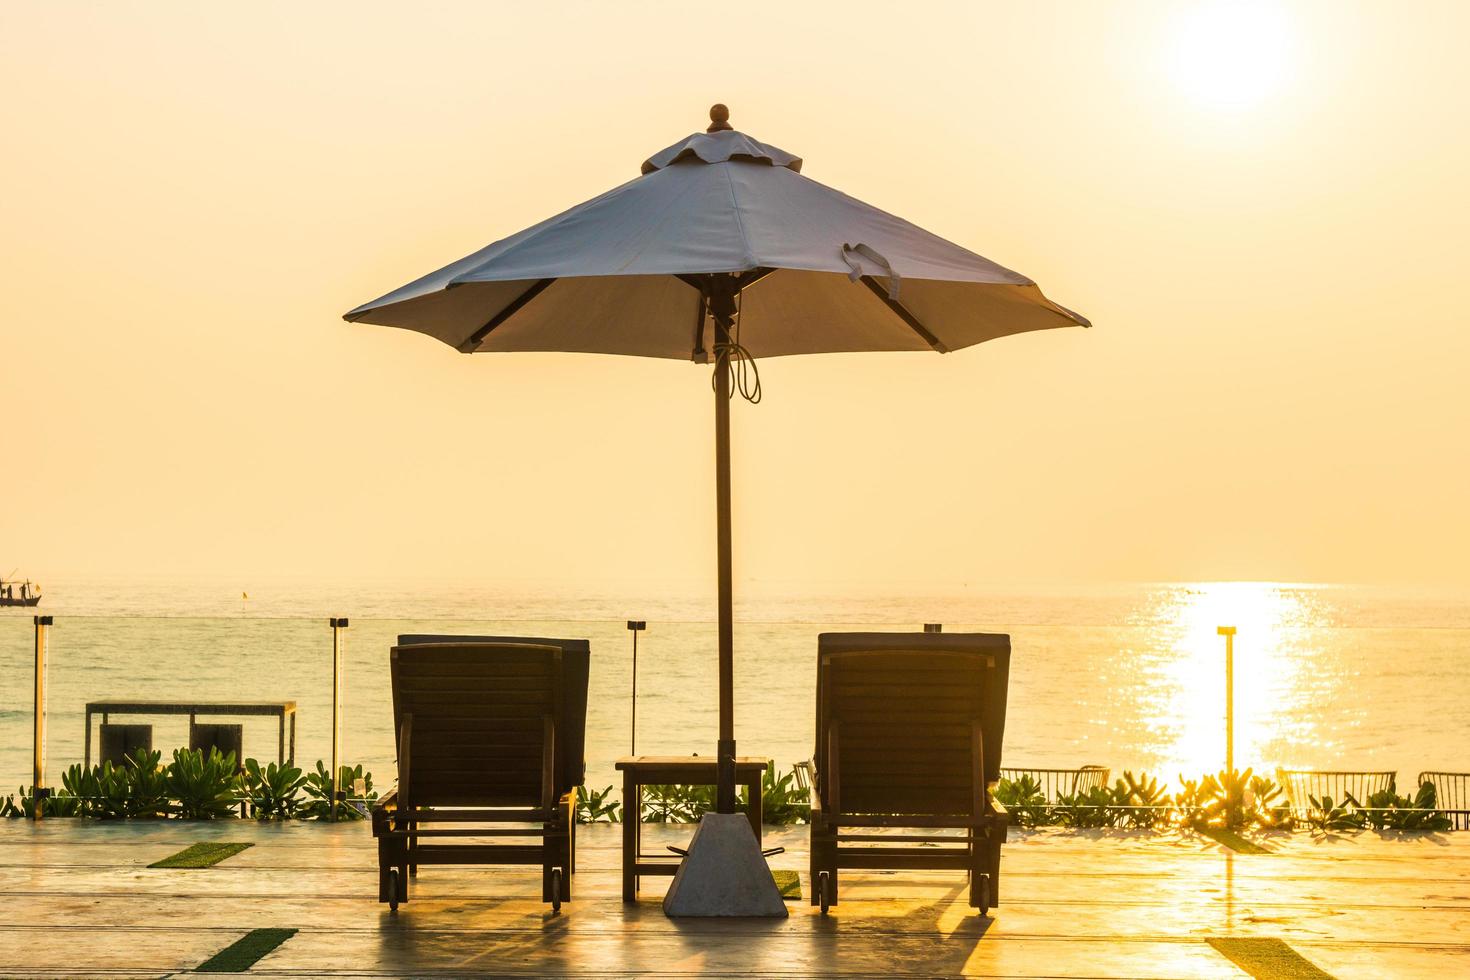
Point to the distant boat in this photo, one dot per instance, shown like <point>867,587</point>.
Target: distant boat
<point>25,593</point>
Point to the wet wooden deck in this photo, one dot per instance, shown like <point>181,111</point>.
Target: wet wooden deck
<point>80,901</point>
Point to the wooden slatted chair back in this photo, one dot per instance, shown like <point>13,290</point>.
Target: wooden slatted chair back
<point>905,719</point>
<point>476,718</point>
<point>571,765</point>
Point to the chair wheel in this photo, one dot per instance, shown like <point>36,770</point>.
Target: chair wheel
<point>393,889</point>
<point>556,889</point>
<point>982,892</point>
<point>824,890</point>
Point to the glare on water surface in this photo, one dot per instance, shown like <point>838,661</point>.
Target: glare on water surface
<point>1276,670</point>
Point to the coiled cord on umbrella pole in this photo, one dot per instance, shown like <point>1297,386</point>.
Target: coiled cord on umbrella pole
<point>732,356</point>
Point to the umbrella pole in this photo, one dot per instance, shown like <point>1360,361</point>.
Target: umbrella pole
<point>725,752</point>
<point>724,873</point>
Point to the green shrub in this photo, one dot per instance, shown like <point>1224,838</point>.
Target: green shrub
<point>1389,811</point>
<point>101,792</point>
<point>58,804</point>
<point>1096,807</point>
<point>202,787</point>
<point>782,801</point>
<point>271,793</point>
<point>597,806</point>
<point>1269,804</point>
<point>318,787</point>
<point>1232,800</point>
<point>83,784</point>
<point>1024,800</point>
<point>1327,816</point>
<point>669,803</point>
<point>1148,803</point>
<point>147,784</point>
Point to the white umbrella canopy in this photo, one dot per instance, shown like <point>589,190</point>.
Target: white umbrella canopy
<point>823,272</point>
<point>720,251</point>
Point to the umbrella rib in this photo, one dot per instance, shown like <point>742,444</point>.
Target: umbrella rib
<point>511,309</point>
<point>902,312</point>
<point>744,280</point>
<point>701,283</point>
<point>748,279</point>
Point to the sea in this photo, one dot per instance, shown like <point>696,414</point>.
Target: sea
<point>1132,677</point>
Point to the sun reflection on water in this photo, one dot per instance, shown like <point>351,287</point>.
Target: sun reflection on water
<point>1277,676</point>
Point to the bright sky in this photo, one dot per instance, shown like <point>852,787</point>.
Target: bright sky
<point>1263,208</point>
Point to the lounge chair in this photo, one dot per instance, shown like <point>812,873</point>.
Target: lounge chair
<point>490,735</point>
<point>909,729</point>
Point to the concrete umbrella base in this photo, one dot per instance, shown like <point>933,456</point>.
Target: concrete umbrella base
<point>724,874</point>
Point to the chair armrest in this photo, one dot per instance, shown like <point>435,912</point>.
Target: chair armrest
<point>981,801</point>
<point>806,778</point>
<point>548,763</point>
<point>405,745</point>
<point>566,808</point>
<point>384,810</point>
<point>834,799</point>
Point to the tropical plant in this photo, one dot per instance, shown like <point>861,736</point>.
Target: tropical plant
<point>1024,800</point>
<point>1387,810</point>
<point>670,803</point>
<point>319,789</point>
<point>1328,816</point>
<point>202,787</point>
<point>1223,800</point>
<point>1269,806</point>
<point>597,806</point>
<point>101,791</point>
<point>8,809</point>
<point>1146,801</point>
<point>1090,808</point>
<point>148,783</point>
<point>59,804</point>
<point>271,793</point>
<point>136,788</point>
<point>782,801</point>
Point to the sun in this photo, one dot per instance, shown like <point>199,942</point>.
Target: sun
<point>1230,55</point>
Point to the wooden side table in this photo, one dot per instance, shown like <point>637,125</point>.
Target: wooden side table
<point>678,770</point>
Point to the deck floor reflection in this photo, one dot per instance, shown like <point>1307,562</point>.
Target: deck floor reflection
<point>80,901</point>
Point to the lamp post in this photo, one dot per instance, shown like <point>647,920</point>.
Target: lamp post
<point>1229,633</point>
<point>339,650</point>
<point>38,746</point>
<point>635,626</point>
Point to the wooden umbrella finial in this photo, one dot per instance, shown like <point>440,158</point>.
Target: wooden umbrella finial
<point>719,118</point>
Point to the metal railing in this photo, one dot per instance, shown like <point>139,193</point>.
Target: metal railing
<point>1056,783</point>
<point>1451,795</point>
<point>1303,785</point>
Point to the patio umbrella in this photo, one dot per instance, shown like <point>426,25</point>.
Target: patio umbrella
<point>720,252</point>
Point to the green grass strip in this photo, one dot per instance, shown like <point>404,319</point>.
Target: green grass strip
<point>1234,841</point>
<point>1268,959</point>
<point>789,883</point>
<point>242,954</point>
<point>201,855</point>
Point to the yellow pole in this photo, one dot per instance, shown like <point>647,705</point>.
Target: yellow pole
<point>1229,633</point>
<point>38,748</point>
<point>339,649</point>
